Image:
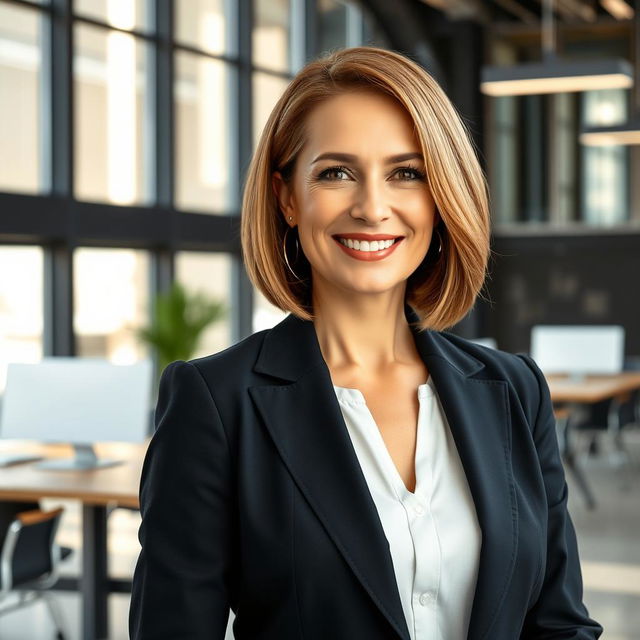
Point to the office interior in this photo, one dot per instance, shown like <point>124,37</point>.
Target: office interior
<point>126,128</point>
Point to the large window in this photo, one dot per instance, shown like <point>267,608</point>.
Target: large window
<point>125,131</point>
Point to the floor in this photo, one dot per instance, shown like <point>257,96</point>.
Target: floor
<point>608,541</point>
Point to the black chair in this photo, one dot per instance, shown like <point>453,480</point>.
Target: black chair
<point>30,557</point>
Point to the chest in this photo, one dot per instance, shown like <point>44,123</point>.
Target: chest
<point>395,407</point>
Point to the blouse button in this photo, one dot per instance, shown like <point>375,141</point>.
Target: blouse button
<point>426,598</point>
<point>419,509</point>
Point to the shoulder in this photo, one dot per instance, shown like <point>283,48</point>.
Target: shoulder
<point>231,368</point>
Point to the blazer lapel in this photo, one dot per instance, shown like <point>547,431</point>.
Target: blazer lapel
<point>306,424</point>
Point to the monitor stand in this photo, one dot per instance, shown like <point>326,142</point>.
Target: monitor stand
<point>85,458</point>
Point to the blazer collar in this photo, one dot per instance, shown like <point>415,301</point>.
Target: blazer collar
<point>305,422</point>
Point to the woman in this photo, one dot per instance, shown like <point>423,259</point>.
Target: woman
<point>356,471</point>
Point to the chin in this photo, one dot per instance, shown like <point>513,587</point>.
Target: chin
<point>374,287</point>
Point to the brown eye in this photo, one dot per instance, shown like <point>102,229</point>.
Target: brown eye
<point>417,175</point>
<point>331,170</point>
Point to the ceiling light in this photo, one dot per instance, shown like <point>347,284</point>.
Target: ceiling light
<point>619,9</point>
<point>554,75</point>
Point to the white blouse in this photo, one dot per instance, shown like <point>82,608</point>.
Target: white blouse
<point>433,534</point>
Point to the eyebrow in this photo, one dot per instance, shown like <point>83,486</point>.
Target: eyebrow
<point>348,157</point>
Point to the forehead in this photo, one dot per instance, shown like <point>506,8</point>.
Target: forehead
<point>359,116</point>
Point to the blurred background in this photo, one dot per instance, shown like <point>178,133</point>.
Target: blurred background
<point>126,127</point>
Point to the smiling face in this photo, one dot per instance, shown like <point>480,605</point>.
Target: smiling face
<point>359,181</point>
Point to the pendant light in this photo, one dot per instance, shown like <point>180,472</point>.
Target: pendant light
<point>629,132</point>
<point>554,75</point>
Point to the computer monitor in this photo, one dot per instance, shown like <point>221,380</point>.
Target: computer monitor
<point>578,349</point>
<point>77,400</point>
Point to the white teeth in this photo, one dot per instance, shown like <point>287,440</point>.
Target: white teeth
<point>363,245</point>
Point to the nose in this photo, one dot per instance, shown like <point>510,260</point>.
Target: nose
<point>371,203</point>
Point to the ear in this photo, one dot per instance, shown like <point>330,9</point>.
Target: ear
<point>283,195</point>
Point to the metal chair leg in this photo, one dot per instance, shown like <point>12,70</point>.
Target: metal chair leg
<point>56,614</point>
<point>619,455</point>
<point>569,458</point>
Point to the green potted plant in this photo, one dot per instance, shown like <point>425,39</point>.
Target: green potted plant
<point>179,318</point>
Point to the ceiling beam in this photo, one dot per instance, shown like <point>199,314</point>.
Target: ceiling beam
<point>604,27</point>
<point>518,11</point>
<point>462,9</point>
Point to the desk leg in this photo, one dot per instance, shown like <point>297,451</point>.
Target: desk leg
<point>569,458</point>
<point>94,578</point>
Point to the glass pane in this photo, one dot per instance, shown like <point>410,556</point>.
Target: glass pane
<point>266,91</point>
<point>605,169</point>
<point>205,24</point>
<point>111,300</point>
<point>265,315</point>
<point>562,165</point>
<point>210,275</point>
<point>111,117</point>
<point>271,34</point>
<point>124,14</point>
<point>21,115</point>
<point>203,93</point>
<point>604,108</point>
<point>505,164</point>
<point>332,25</point>
<point>21,307</point>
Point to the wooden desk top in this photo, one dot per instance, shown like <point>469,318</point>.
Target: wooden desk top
<point>592,388</point>
<point>118,484</point>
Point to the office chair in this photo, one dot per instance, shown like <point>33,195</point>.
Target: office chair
<point>612,419</point>
<point>29,557</point>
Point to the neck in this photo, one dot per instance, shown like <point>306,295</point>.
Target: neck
<point>364,334</point>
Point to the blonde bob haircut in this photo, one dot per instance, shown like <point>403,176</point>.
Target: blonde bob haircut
<point>444,286</point>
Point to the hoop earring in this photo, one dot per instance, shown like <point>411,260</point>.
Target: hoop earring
<point>439,241</point>
<point>284,250</point>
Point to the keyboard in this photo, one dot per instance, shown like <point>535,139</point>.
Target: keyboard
<point>7,460</point>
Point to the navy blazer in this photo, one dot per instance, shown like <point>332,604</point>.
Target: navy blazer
<point>252,498</point>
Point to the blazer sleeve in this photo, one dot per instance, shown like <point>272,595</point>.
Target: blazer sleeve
<point>181,583</point>
<point>559,611</point>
